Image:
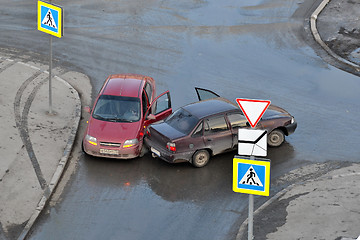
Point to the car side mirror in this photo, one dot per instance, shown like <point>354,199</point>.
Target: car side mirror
<point>87,109</point>
<point>151,117</point>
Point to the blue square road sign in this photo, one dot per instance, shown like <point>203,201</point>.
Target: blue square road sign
<point>50,19</point>
<point>251,176</point>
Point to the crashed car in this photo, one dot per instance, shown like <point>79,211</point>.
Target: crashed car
<point>199,130</point>
<point>124,108</point>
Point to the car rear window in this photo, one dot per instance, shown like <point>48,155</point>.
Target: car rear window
<point>182,120</point>
<point>117,109</point>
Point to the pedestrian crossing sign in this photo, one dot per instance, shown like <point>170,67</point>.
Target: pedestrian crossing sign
<point>50,19</point>
<point>251,176</point>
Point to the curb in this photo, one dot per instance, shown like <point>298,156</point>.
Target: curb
<point>318,39</point>
<point>243,226</point>
<point>63,161</point>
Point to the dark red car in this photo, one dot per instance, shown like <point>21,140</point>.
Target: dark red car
<point>125,106</point>
<point>202,129</point>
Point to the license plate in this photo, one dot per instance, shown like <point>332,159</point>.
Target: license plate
<point>109,151</point>
<point>155,151</point>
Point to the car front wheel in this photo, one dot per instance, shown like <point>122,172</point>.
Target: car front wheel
<point>201,158</point>
<point>276,138</point>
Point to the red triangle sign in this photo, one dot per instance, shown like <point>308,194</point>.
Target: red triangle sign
<point>253,109</point>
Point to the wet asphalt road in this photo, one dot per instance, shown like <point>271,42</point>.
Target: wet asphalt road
<point>251,49</point>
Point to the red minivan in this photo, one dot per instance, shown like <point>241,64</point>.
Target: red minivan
<point>125,106</point>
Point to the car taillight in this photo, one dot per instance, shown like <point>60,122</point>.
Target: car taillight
<point>171,146</point>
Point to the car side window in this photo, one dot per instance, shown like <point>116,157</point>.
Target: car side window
<point>144,102</point>
<point>148,90</point>
<point>237,120</point>
<point>215,125</point>
<point>198,131</point>
<point>162,104</point>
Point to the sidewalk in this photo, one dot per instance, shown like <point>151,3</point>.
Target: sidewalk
<point>325,207</point>
<point>322,208</point>
<point>35,145</point>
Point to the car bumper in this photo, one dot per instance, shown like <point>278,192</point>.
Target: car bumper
<point>166,155</point>
<point>291,128</point>
<point>106,152</point>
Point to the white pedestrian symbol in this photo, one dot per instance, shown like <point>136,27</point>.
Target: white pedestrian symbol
<point>251,178</point>
<point>49,20</point>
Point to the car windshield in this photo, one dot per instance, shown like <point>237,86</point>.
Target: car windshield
<point>182,120</point>
<point>117,109</point>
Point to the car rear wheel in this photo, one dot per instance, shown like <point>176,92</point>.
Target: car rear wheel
<point>276,138</point>
<point>201,158</point>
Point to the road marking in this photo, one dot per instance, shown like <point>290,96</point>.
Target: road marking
<point>7,66</point>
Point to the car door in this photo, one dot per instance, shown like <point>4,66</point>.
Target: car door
<point>196,141</point>
<point>236,120</point>
<point>204,94</point>
<point>159,109</point>
<point>217,134</point>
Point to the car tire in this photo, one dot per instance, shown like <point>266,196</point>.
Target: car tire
<point>200,158</point>
<point>276,138</point>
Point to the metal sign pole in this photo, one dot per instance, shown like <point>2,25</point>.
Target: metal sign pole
<point>251,212</point>
<point>251,217</point>
<point>50,20</point>
<point>253,111</point>
<point>50,75</point>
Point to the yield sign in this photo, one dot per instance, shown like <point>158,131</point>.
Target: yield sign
<point>253,109</point>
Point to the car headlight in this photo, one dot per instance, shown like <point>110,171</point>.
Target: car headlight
<point>130,143</point>
<point>91,140</point>
<point>292,120</point>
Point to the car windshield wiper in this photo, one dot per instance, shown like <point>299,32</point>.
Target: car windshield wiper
<point>118,119</point>
<point>99,117</point>
<point>111,119</point>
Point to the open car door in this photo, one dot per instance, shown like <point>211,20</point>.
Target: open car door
<point>159,109</point>
<point>204,94</point>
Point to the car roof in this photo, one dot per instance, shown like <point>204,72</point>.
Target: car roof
<point>210,107</point>
<point>127,85</point>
